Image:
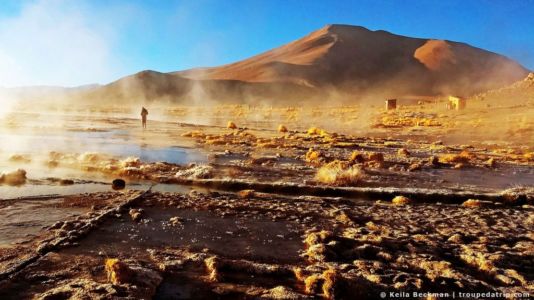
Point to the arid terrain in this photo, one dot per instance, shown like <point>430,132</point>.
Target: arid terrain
<point>276,202</point>
<point>280,176</point>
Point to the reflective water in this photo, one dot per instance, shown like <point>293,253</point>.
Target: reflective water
<point>34,135</point>
<point>24,219</point>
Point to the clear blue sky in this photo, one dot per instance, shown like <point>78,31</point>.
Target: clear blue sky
<point>99,41</point>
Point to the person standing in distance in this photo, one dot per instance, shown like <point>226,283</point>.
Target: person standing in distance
<point>144,113</point>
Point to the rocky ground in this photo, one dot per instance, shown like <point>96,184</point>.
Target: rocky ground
<point>258,245</point>
<point>279,212</point>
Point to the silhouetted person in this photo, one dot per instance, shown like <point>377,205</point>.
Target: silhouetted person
<point>144,113</point>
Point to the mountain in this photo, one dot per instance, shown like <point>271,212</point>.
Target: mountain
<point>337,62</point>
<point>356,59</point>
<point>522,92</point>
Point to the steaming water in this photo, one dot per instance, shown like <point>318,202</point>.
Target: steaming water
<point>115,142</point>
<point>35,135</point>
<point>30,190</point>
<point>90,142</point>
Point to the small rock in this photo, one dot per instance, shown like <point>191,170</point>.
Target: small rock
<point>376,156</point>
<point>414,167</point>
<point>456,238</point>
<point>66,182</point>
<point>174,221</point>
<point>17,177</point>
<point>403,152</point>
<point>231,125</point>
<point>118,184</point>
<point>245,194</point>
<point>491,163</point>
<point>401,200</point>
<point>136,214</point>
<point>475,203</point>
<point>282,128</point>
<point>282,292</point>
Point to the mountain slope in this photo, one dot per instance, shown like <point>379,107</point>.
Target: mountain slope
<point>518,93</point>
<point>356,59</point>
<point>335,63</point>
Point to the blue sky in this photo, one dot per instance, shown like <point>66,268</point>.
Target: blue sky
<point>61,42</point>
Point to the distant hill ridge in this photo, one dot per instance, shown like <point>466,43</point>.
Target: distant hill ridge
<point>345,62</point>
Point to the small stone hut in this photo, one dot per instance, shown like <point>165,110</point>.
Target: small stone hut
<point>456,103</point>
<point>391,104</point>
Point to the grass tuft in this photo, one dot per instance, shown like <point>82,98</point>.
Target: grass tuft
<point>339,173</point>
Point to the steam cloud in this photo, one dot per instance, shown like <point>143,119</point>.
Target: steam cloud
<point>55,43</point>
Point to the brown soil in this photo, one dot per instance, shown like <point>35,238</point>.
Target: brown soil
<point>223,246</point>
